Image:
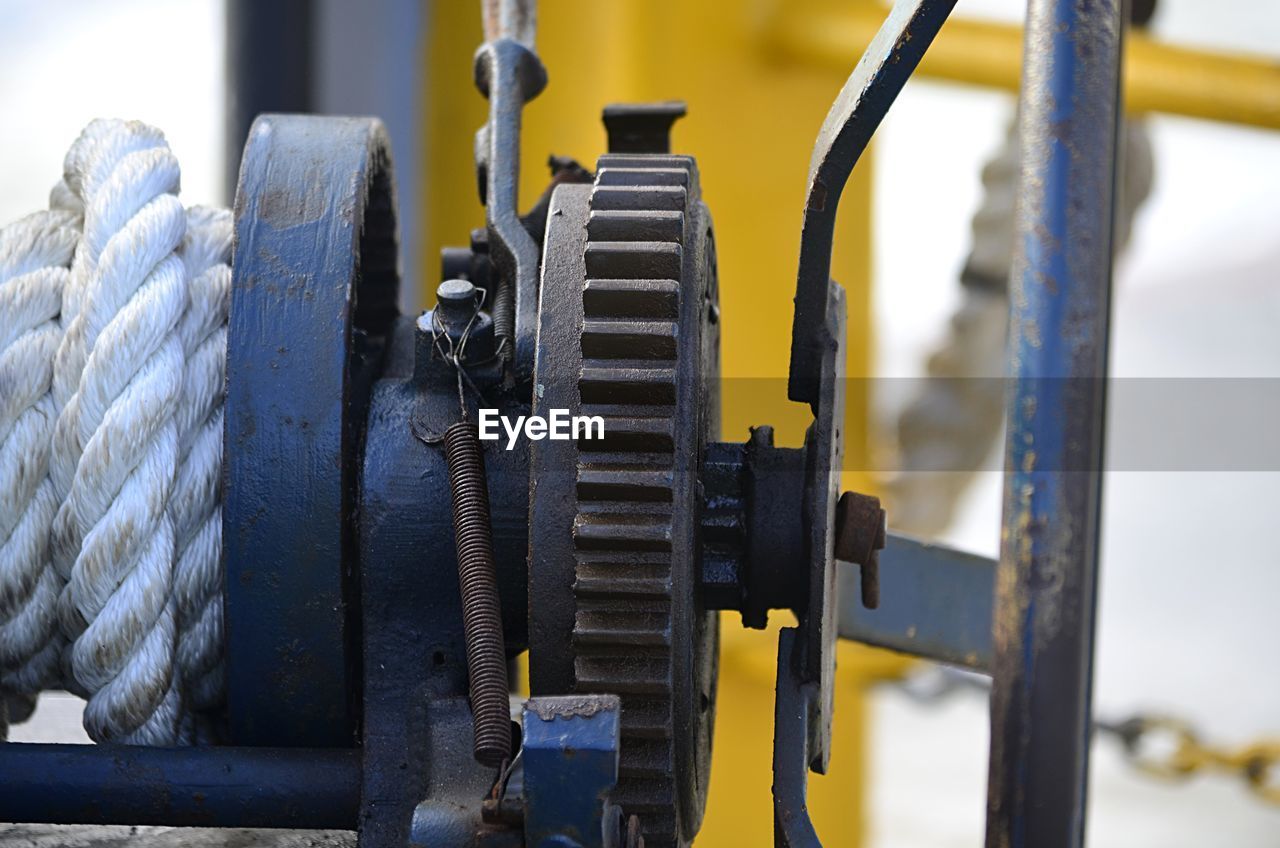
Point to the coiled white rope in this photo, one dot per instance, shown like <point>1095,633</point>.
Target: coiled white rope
<point>35,256</point>
<point>130,501</point>
<point>194,505</point>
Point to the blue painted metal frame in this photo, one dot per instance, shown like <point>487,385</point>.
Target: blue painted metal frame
<point>1061,286</point>
<point>570,759</point>
<point>314,290</point>
<point>935,603</point>
<point>179,787</point>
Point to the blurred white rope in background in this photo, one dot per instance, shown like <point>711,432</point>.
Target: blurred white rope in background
<point>134,456</point>
<point>951,425</point>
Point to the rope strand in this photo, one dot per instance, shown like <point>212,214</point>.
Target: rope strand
<point>113,309</point>
<point>194,504</point>
<point>35,256</point>
<point>115,444</point>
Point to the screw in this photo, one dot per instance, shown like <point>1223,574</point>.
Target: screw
<point>860,536</point>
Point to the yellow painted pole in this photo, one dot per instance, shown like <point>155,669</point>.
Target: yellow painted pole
<point>1157,77</point>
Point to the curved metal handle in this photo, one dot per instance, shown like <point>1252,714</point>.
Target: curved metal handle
<point>861,105</point>
<point>806,655</point>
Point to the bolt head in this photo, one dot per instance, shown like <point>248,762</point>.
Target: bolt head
<point>456,291</point>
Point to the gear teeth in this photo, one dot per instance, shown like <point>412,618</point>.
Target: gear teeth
<point>617,338</point>
<point>625,671</point>
<point>644,758</point>
<point>654,260</point>
<point>622,588</point>
<point>625,383</point>
<point>600,482</point>
<point>615,175</point>
<point>621,532</point>
<point>646,718</point>
<point>634,259</point>
<point>630,434</point>
<point>662,198</point>
<point>657,161</point>
<point>621,298</point>
<point>615,627</point>
<point>632,225</point>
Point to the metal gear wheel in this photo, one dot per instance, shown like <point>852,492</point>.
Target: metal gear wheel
<point>629,332</point>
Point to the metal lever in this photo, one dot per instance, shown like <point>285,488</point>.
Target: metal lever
<point>886,65</point>
<point>510,74</point>
<point>806,655</point>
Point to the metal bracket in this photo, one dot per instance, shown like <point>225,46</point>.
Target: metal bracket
<point>806,657</point>
<point>936,604</point>
<point>794,709</point>
<point>570,759</point>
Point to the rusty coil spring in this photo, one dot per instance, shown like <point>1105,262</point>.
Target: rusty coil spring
<point>478,579</point>
<point>504,317</point>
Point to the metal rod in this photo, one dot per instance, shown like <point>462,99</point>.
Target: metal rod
<point>180,787</point>
<point>1232,87</point>
<point>936,604</point>
<point>514,19</point>
<point>271,64</point>
<point>1043,627</point>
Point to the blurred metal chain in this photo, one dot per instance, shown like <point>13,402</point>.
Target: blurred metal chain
<point>1157,745</point>
<point>1170,748</point>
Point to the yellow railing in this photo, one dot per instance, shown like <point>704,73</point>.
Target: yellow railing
<point>1158,77</point>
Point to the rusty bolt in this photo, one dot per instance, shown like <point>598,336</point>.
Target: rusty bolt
<point>860,536</point>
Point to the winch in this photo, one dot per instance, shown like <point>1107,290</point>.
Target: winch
<point>536,466</point>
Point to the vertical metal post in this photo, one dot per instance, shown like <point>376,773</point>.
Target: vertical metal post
<point>270,66</point>
<point>1061,281</point>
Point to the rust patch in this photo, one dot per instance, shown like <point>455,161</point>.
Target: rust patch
<point>570,706</point>
<point>818,195</point>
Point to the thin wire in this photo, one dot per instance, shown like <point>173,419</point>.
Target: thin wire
<point>455,357</point>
